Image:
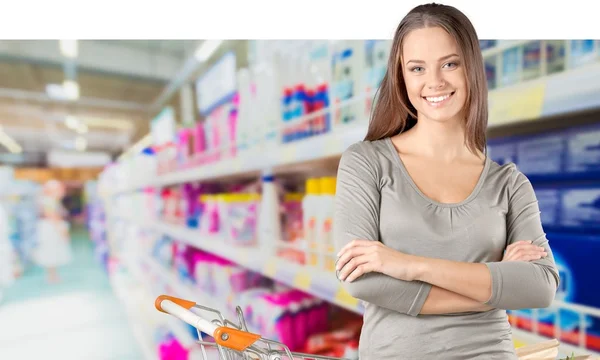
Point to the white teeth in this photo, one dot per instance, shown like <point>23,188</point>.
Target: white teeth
<point>438,98</point>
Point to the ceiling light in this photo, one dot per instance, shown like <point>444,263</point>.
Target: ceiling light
<point>56,91</point>
<point>80,143</point>
<point>9,143</point>
<point>71,89</point>
<point>206,49</point>
<point>68,48</point>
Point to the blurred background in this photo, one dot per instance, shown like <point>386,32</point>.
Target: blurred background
<point>206,170</point>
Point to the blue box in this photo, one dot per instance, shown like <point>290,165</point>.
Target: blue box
<point>549,202</point>
<point>580,208</point>
<point>541,154</point>
<point>583,150</point>
<point>503,151</point>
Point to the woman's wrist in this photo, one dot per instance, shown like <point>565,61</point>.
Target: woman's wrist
<point>422,267</point>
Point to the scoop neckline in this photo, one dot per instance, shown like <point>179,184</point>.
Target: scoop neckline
<point>410,180</point>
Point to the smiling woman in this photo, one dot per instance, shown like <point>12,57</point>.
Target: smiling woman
<point>438,239</point>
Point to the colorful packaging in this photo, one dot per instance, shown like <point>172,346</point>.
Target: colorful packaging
<point>532,55</point>
<point>240,217</point>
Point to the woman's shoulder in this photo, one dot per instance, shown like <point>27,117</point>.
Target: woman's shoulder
<point>370,150</point>
<point>505,175</point>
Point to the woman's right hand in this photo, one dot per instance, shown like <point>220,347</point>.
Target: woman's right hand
<point>524,251</point>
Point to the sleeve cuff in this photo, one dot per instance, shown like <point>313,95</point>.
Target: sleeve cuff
<point>417,305</point>
<point>496,279</point>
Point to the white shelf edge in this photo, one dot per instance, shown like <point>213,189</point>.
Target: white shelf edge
<point>254,259</point>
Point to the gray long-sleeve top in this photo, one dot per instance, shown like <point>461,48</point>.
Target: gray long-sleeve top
<point>376,199</point>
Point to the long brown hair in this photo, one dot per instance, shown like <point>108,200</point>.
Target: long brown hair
<point>393,113</point>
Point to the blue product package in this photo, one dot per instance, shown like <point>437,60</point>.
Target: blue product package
<point>583,150</point>
<point>541,154</point>
<point>503,151</point>
<point>486,44</point>
<point>581,208</point>
<point>287,115</point>
<point>582,52</point>
<point>549,202</point>
<point>532,53</point>
<point>490,72</point>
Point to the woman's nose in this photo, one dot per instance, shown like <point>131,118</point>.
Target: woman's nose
<point>435,80</point>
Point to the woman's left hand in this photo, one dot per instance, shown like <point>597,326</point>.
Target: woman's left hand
<point>360,257</point>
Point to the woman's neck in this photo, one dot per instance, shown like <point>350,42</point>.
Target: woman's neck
<point>444,141</point>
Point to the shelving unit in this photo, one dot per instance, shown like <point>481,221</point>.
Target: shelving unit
<point>323,285</point>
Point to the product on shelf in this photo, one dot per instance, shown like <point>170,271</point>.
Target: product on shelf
<point>310,214</point>
<point>269,217</point>
<point>347,83</point>
<point>325,222</point>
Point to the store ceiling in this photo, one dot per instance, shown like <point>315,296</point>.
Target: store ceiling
<point>118,81</point>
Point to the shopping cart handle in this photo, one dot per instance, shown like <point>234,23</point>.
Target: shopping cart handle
<point>226,336</point>
<point>181,302</point>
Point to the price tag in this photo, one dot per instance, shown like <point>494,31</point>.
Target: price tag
<point>342,297</point>
<point>302,280</point>
<point>523,103</point>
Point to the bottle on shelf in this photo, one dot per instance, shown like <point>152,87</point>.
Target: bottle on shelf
<point>269,220</point>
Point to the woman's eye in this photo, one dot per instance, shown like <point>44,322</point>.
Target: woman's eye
<point>416,69</point>
<point>451,65</point>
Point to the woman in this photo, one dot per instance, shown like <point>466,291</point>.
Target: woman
<point>436,238</point>
<point>53,249</point>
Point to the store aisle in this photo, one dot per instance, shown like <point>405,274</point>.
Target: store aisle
<point>79,318</point>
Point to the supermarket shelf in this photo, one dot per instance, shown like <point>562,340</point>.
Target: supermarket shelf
<point>320,284</point>
<point>566,92</point>
<point>276,157</point>
<point>562,93</point>
<point>176,289</point>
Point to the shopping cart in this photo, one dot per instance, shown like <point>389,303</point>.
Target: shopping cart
<point>232,341</point>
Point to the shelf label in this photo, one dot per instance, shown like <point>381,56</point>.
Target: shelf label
<point>302,280</point>
<point>342,297</point>
<point>523,103</point>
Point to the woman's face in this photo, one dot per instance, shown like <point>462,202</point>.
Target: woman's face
<point>434,75</point>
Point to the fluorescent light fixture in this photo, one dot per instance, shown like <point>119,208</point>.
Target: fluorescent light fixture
<point>80,143</point>
<point>119,124</point>
<point>56,91</point>
<point>206,49</point>
<point>9,143</point>
<point>69,48</point>
<point>71,89</point>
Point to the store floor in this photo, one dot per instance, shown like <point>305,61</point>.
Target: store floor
<point>79,318</point>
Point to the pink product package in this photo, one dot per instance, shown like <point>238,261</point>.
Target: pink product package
<point>184,151</point>
<point>199,144</point>
<point>172,350</point>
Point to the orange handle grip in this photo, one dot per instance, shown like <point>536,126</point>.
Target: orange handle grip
<point>235,339</point>
<point>181,302</point>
